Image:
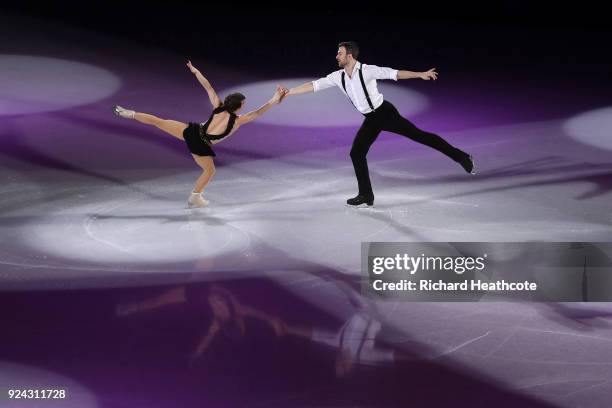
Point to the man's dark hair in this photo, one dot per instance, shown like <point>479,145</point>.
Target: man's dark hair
<point>351,47</point>
<point>233,101</point>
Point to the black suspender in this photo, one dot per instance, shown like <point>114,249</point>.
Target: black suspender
<point>344,87</point>
<point>365,90</point>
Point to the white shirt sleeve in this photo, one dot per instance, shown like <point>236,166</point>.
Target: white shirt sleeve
<point>382,72</point>
<point>324,83</point>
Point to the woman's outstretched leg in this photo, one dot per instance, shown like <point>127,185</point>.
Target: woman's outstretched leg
<point>172,127</point>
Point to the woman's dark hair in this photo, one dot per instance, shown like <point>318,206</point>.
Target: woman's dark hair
<point>233,101</point>
<point>351,47</point>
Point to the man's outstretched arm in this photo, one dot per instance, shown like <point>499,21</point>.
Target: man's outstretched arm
<point>427,75</point>
<point>304,88</point>
<point>314,86</point>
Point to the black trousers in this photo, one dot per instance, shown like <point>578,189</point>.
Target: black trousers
<point>387,118</point>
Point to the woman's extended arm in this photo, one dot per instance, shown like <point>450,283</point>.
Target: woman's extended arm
<point>212,95</point>
<point>246,118</point>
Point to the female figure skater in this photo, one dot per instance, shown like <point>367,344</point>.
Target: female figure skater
<point>200,137</point>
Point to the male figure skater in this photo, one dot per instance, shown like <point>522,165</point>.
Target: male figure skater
<point>358,82</point>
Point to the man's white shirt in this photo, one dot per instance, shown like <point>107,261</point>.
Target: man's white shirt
<point>354,89</point>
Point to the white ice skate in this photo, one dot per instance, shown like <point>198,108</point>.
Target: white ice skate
<point>196,200</point>
<point>124,113</point>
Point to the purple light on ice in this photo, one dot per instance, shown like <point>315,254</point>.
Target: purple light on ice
<point>593,128</point>
<point>31,84</point>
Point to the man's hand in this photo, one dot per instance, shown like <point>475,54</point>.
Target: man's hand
<point>193,69</point>
<point>431,74</point>
<point>279,94</point>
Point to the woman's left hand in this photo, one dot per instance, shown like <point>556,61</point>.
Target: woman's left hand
<point>193,69</point>
<point>279,94</point>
